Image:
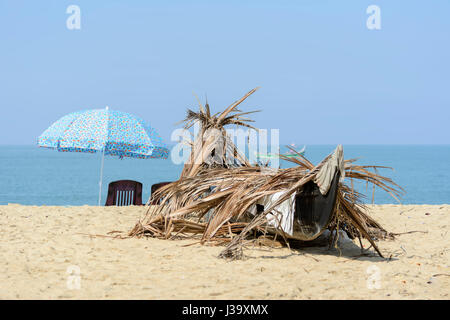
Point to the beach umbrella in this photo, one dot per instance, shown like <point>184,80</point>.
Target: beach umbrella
<point>110,132</point>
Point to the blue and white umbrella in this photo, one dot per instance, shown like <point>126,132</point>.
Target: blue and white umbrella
<point>111,132</point>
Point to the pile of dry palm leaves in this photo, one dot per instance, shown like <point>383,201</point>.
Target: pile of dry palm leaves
<point>212,199</point>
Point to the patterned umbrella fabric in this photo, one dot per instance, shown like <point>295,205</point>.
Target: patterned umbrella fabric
<point>112,132</point>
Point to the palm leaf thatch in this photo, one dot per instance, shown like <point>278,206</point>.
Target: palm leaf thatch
<point>212,146</point>
<point>214,203</point>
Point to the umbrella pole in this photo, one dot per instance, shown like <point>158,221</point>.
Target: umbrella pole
<point>101,178</point>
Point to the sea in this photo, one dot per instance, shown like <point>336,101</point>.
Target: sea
<point>30,175</point>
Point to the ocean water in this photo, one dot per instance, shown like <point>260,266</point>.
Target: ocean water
<point>35,176</point>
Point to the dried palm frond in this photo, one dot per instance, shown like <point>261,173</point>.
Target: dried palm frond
<point>212,146</point>
<point>218,197</point>
<point>214,201</point>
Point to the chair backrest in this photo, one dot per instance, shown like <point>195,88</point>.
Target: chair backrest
<point>124,193</point>
<point>155,187</point>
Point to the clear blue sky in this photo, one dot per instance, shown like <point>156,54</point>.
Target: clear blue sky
<point>325,78</point>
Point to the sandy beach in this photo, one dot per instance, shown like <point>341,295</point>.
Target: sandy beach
<point>43,248</point>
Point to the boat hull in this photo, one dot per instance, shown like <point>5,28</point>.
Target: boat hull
<point>314,211</point>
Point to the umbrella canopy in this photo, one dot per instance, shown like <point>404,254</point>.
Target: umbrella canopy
<point>113,132</point>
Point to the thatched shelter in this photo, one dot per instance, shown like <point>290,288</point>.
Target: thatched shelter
<point>218,201</point>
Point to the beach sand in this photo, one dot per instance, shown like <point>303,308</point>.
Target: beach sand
<point>43,248</point>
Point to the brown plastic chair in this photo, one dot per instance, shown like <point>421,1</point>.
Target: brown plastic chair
<point>124,193</point>
<point>155,187</point>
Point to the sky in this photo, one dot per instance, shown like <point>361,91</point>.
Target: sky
<point>325,78</point>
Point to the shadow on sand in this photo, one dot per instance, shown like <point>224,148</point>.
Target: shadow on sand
<point>348,250</point>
